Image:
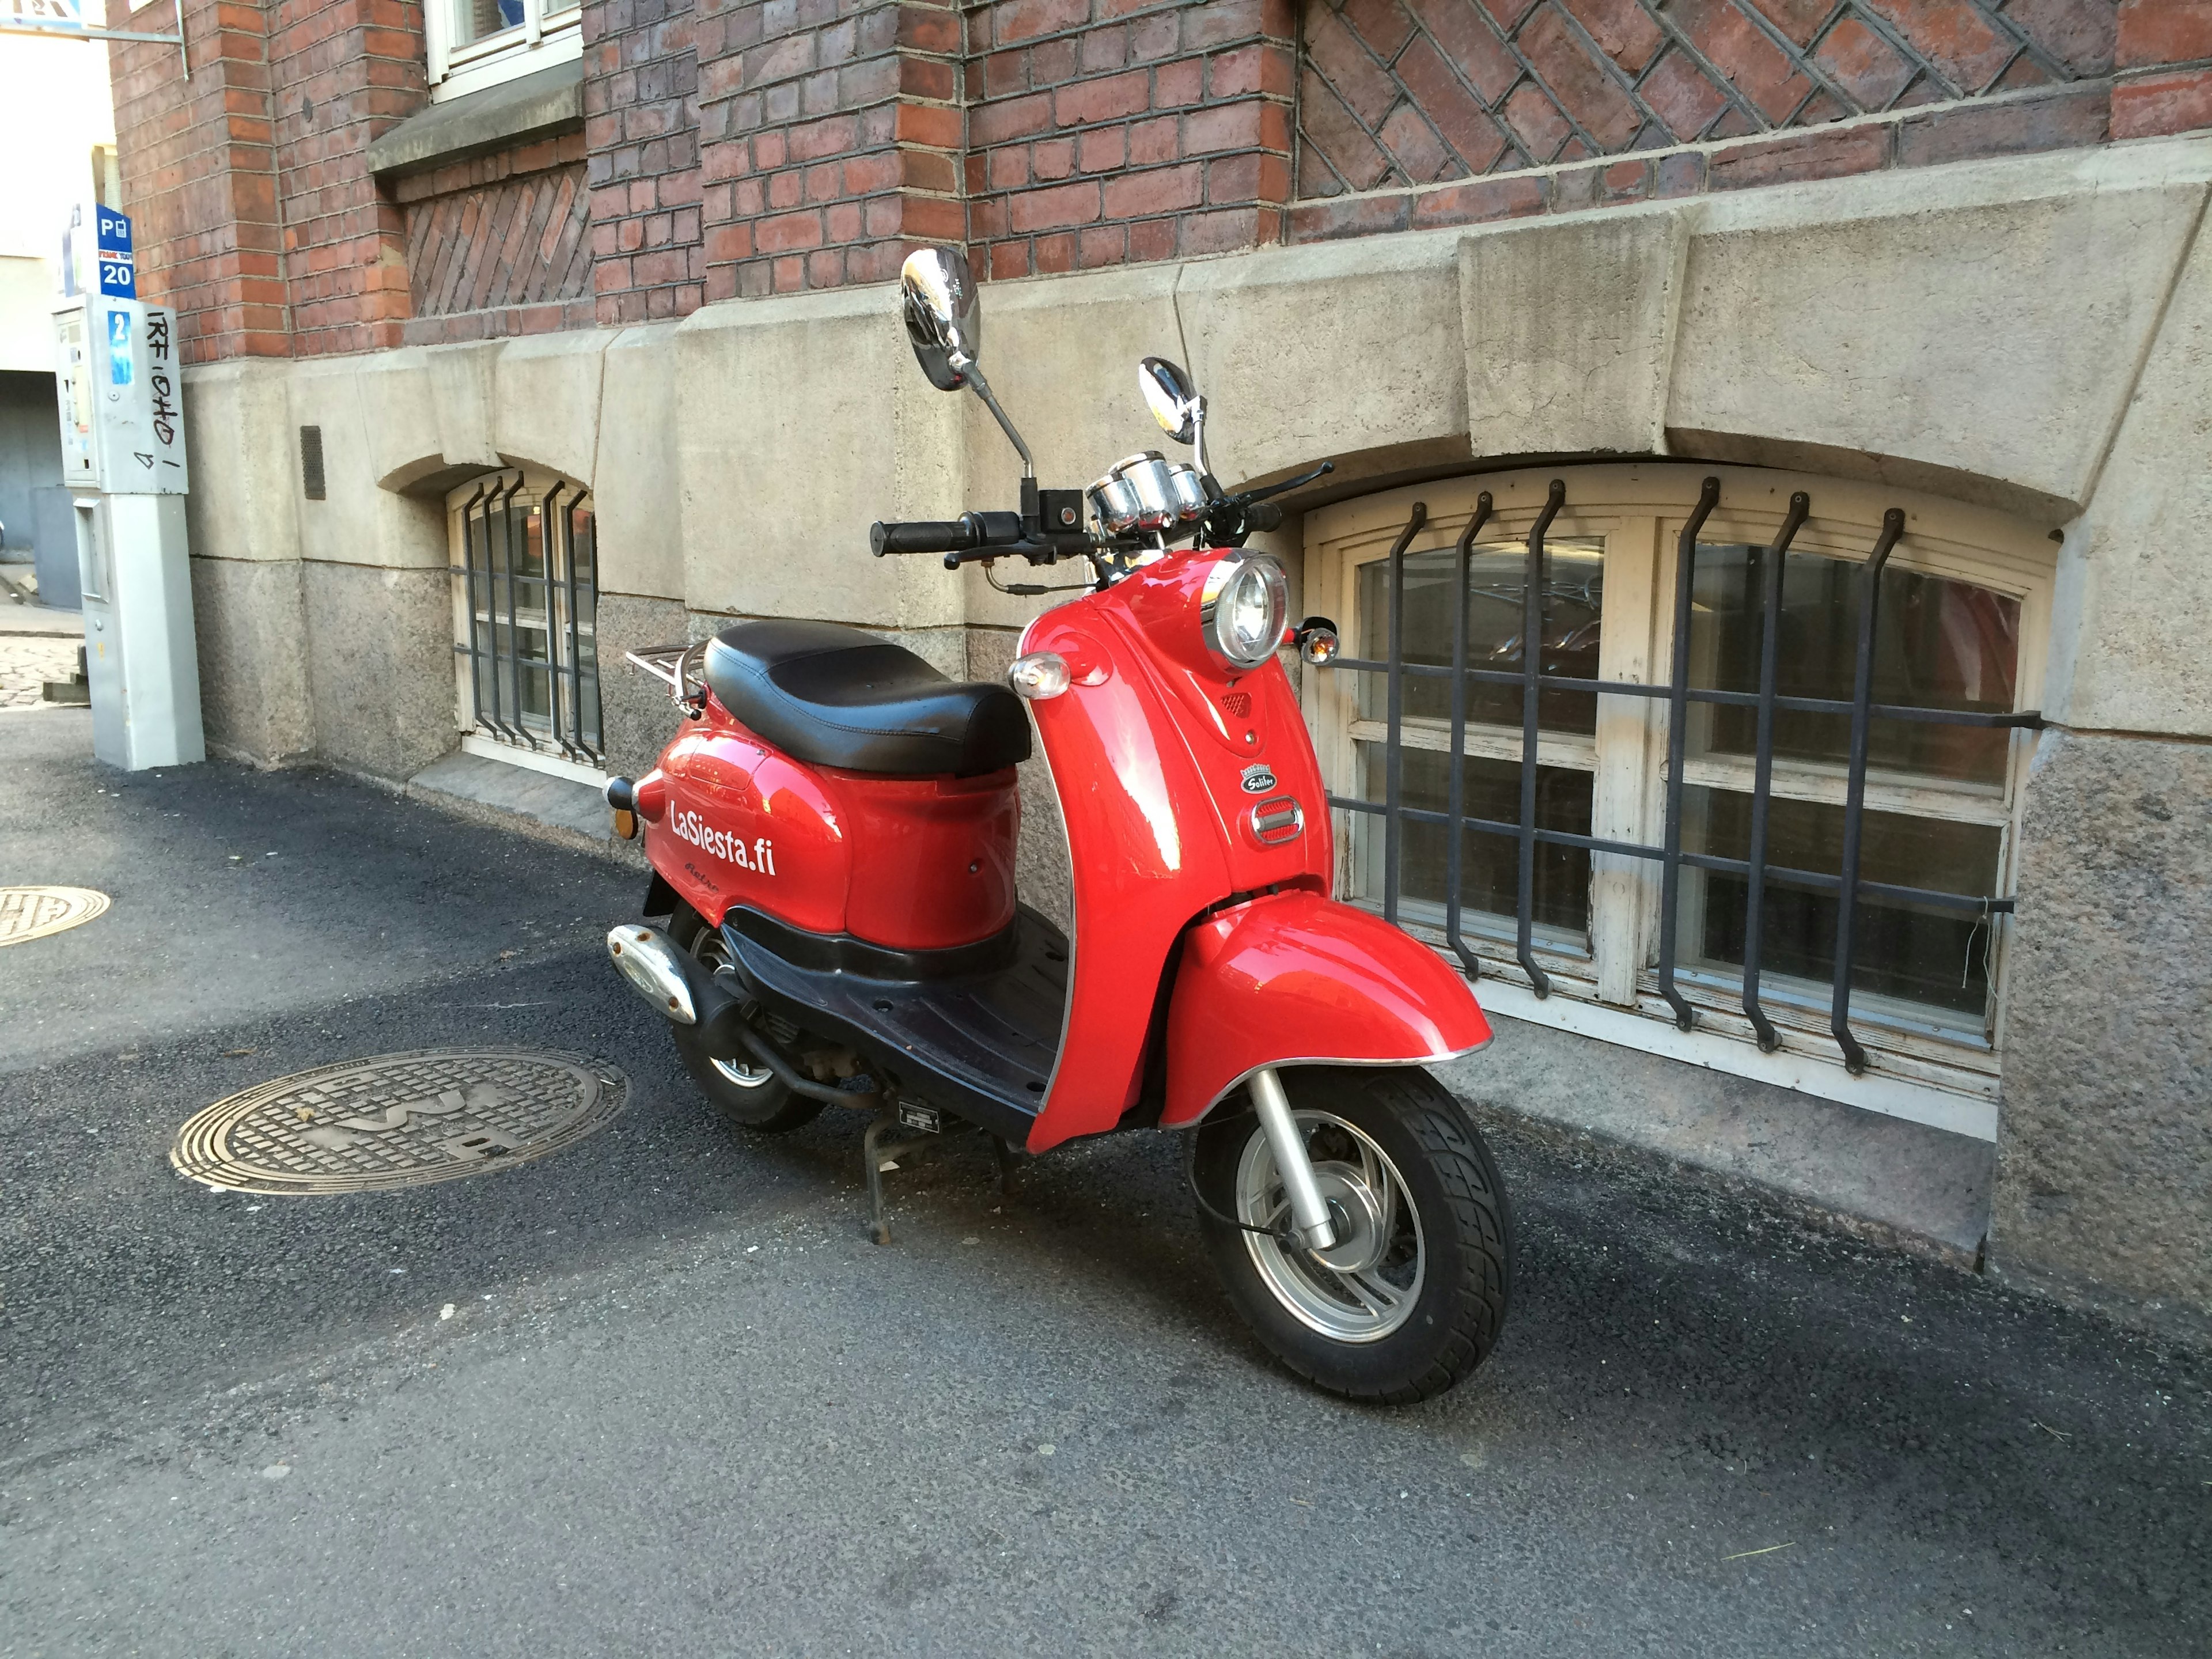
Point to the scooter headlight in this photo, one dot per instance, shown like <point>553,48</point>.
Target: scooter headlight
<point>1241,610</point>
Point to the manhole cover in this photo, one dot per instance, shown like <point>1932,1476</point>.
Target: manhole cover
<point>399,1121</point>
<point>29,913</point>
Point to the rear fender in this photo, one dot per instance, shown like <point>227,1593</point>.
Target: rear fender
<point>1297,979</point>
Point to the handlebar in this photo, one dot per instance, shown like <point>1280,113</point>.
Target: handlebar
<point>964,534</point>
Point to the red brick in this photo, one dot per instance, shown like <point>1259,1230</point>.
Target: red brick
<point>1234,126</point>
<point>1179,83</point>
<point>1106,99</point>
<point>1733,44</point>
<point>1420,154</point>
<point>1162,190</point>
<point>1010,259</point>
<point>2014,127</point>
<point>1049,209</point>
<point>1624,31</point>
<point>1015,118</point>
<point>1321,222</point>
<point>1479,200</point>
<point>784,232</point>
<point>1682,173</point>
<point>1683,96</point>
<point>1103,149</point>
<point>1863,65</point>
<point>1054,254</point>
<point>1382,24</point>
<point>1150,241</point>
<point>1965,47</point>
<point>1229,231</point>
<point>1258,68</point>
<point>1344,64</point>
<point>1799,19</point>
<point>2155,32</point>
<point>1025,20</point>
<point>1535,121</point>
<point>1473,46</point>
<point>1052,159</point>
<point>1794,158</point>
<point>1102,244</point>
<point>1465,124</point>
<point>1154,140</point>
<point>2158,104</point>
<point>2080,35</point>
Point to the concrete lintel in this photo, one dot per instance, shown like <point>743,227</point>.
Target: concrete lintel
<point>512,112</point>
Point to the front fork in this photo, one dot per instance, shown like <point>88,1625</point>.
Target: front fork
<point>1307,1208</point>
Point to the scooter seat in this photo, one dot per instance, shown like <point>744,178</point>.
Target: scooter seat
<point>837,697</point>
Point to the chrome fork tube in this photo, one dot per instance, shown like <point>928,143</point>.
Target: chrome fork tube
<point>1307,1207</point>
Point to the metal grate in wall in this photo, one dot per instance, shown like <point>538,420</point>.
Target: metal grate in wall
<point>1846,884</point>
<point>529,589</point>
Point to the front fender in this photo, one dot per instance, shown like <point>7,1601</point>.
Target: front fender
<point>1296,978</point>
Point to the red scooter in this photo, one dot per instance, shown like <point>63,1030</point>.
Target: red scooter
<point>832,916</point>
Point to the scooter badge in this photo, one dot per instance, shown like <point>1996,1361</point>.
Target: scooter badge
<point>1258,780</point>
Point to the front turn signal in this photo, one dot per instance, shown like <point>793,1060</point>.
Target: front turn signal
<point>1317,641</point>
<point>1039,675</point>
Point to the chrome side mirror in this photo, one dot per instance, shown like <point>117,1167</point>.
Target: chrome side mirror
<point>942,318</point>
<point>944,321</point>
<point>1174,403</point>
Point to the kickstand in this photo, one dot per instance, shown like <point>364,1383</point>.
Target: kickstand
<point>875,1152</point>
<point>1006,1161</point>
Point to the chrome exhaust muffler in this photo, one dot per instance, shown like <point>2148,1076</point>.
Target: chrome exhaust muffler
<point>651,962</point>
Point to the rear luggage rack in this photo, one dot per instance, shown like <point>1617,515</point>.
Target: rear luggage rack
<point>680,668</point>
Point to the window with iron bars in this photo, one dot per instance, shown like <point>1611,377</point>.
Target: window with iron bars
<point>1779,723</point>
<point>525,604</point>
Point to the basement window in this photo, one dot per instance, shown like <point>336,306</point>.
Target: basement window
<point>1642,945</point>
<point>476,44</point>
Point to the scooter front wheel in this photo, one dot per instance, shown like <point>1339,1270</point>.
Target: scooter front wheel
<point>746,1092</point>
<point>1413,1293</point>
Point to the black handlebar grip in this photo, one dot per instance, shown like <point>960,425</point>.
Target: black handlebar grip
<point>1263,515</point>
<point>921,535</point>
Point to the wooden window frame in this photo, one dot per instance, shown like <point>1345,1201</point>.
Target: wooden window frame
<point>551,32</point>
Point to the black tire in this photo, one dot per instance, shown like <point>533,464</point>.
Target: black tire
<point>1465,1250</point>
<point>749,1096</point>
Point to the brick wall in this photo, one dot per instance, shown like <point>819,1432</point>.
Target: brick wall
<point>1104,132</point>
<point>1422,112</point>
<point>199,177</point>
<point>641,123</point>
<point>500,245</point>
<point>831,133</point>
<point>748,147</point>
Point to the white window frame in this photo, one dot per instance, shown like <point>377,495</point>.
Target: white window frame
<point>551,32</point>
<point>536,483</point>
<point>1919,1068</point>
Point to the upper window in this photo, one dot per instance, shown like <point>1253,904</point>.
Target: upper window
<point>479,43</point>
<point>1960,607</point>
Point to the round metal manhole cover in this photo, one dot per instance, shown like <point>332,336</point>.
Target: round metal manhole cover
<point>29,913</point>
<point>399,1121</point>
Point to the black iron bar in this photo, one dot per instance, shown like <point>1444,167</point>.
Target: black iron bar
<point>1839,1020</point>
<point>1532,671</point>
<point>513,625</point>
<point>2030,719</point>
<point>576,628</point>
<point>1770,649</point>
<point>469,583</point>
<point>1394,763</point>
<point>560,618</point>
<point>1678,722</point>
<point>1455,787</point>
<point>1815,880</point>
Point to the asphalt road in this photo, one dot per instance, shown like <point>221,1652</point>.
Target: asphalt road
<point>681,1405</point>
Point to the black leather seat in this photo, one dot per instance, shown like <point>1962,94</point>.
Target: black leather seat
<point>835,696</point>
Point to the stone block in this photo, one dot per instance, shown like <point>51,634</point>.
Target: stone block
<point>245,461</point>
<point>545,402</point>
<point>462,379</point>
<point>636,485</point>
<point>2135,580</point>
<point>637,719</point>
<point>1892,346</point>
<point>1569,332</point>
<point>2104,1184</point>
<point>380,664</point>
<point>252,648</point>
<point>371,411</point>
<point>1330,350</point>
<point>802,420</point>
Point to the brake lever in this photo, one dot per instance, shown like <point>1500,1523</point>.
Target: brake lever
<point>1303,479</point>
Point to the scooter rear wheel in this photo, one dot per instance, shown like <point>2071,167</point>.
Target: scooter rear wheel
<point>747,1093</point>
<point>1414,1293</point>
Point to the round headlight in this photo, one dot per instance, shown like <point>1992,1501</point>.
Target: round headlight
<point>1241,610</point>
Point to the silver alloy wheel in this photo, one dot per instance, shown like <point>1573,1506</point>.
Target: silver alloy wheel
<point>709,950</point>
<point>1365,1285</point>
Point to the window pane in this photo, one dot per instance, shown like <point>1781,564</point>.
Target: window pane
<point>1918,953</point>
<point>1938,643</point>
<point>1574,599</point>
<point>1489,862</point>
<point>477,20</point>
